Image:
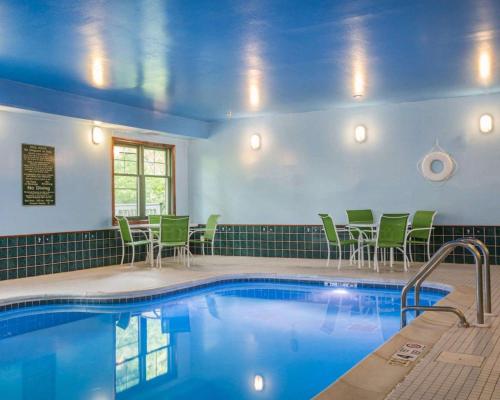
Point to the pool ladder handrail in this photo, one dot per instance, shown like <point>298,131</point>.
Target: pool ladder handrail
<point>483,286</point>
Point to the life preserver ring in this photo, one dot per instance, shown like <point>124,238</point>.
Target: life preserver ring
<point>445,159</point>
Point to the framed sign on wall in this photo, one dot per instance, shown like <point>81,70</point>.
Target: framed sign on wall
<point>39,175</point>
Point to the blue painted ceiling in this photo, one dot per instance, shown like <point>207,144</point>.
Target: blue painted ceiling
<point>203,58</point>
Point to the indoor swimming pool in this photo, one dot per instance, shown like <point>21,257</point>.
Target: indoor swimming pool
<point>230,340</point>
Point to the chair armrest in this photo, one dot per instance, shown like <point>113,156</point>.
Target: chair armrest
<point>418,229</point>
<point>142,232</point>
<point>363,232</point>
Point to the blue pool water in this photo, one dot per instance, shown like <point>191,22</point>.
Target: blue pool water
<point>229,341</point>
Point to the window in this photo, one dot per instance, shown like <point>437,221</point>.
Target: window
<point>142,350</point>
<point>127,355</point>
<point>143,179</point>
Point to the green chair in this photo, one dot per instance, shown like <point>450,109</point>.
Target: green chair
<point>174,234</point>
<point>154,220</point>
<point>207,234</point>
<point>128,240</point>
<point>333,239</point>
<point>421,230</point>
<point>391,235</point>
<point>361,217</point>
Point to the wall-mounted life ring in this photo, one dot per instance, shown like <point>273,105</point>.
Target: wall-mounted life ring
<point>440,156</point>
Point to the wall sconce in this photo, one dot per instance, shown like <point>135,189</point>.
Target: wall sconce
<point>255,141</point>
<point>258,383</point>
<point>360,133</point>
<point>486,123</point>
<point>97,135</point>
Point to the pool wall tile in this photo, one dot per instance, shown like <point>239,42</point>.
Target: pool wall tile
<point>32,255</point>
<point>308,241</point>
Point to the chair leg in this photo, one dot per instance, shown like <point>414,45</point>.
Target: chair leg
<point>188,256</point>
<point>410,252</point>
<point>340,257</point>
<point>213,243</point>
<point>203,248</point>
<point>328,254</point>
<point>428,250</point>
<point>391,257</point>
<point>406,260</point>
<point>133,255</point>
<point>158,257</point>
<point>123,253</point>
<point>375,259</point>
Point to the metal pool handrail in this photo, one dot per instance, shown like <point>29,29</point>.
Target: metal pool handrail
<point>486,270</point>
<point>416,282</point>
<point>486,277</point>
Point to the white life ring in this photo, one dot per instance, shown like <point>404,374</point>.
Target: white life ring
<point>445,159</point>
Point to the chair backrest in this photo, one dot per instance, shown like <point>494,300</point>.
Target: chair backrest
<point>125,232</point>
<point>392,228</point>
<point>360,216</point>
<point>155,220</point>
<point>330,229</point>
<point>422,220</point>
<point>211,227</point>
<point>174,229</point>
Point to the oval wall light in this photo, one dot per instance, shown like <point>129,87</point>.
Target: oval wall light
<point>485,123</point>
<point>360,133</point>
<point>97,135</point>
<point>255,141</point>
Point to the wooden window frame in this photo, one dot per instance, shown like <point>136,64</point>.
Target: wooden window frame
<point>152,145</point>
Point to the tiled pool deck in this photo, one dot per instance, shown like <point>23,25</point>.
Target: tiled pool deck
<point>373,378</point>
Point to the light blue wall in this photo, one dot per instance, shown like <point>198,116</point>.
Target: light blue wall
<point>83,173</point>
<point>310,163</point>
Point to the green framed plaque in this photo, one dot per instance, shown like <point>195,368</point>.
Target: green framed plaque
<point>39,175</point>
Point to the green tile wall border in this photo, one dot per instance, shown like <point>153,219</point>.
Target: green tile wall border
<point>308,241</point>
<point>31,255</point>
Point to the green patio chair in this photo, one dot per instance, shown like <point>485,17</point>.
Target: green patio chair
<point>421,231</point>
<point>128,240</point>
<point>154,220</point>
<point>174,234</point>
<point>391,235</point>
<point>333,239</point>
<point>361,217</point>
<point>207,235</point>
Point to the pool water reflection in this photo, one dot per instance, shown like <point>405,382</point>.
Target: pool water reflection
<point>232,341</point>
